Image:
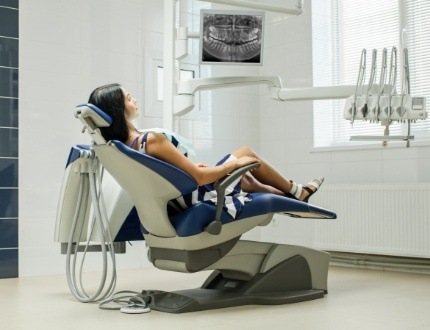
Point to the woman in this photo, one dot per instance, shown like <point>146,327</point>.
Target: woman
<point>121,107</point>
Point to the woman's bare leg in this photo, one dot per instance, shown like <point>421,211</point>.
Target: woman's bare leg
<point>251,185</point>
<point>267,175</point>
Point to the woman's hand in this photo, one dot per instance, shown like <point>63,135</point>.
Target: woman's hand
<point>246,160</point>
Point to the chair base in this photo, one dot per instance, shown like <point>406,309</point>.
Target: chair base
<point>288,282</point>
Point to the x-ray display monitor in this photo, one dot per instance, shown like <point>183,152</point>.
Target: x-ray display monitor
<point>231,37</point>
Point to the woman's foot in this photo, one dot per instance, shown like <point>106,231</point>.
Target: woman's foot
<point>303,193</point>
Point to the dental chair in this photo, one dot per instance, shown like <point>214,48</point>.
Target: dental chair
<point>203,237</point>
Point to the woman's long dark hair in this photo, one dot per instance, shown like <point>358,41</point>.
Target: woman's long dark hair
<point>110,99</point>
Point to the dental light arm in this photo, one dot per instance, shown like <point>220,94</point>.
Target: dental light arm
<point>190,87</point>
<point>184,100</point>
<point>313,93</point>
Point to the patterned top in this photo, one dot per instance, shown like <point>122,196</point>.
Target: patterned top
<point>234,198</point>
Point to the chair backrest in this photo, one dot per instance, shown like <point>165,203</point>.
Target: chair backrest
<point>149,182</point>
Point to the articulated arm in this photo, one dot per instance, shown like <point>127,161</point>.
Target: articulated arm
<point>184,100</point>
<point>313,93</point>
<point>190,87</point>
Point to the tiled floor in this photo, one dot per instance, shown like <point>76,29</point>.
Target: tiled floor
<point>357,299</point>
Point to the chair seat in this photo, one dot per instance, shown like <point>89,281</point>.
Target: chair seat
<point>193,220</point>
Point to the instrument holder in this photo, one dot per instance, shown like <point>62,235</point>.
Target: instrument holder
<point>385,106</point>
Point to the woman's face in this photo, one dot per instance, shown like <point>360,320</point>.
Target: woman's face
<point>131,111</point>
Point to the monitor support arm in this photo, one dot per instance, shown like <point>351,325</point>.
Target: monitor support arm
<point>260,5</point>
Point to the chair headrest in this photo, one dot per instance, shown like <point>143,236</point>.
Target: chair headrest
<point>97,116</point>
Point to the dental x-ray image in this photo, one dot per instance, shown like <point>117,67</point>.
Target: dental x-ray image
<point>231,37</point>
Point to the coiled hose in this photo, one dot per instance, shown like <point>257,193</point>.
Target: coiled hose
<point>100,222</point>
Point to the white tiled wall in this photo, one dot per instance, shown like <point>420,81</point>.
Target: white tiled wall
<point>286,128</point>
<point>68,48</point>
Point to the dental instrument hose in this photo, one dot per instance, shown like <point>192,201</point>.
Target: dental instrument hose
<point>101,223</point>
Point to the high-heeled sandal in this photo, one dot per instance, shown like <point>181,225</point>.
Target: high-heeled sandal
<point>296,189</point>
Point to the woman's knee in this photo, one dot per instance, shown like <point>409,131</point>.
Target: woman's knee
<point>245,151</point>
<point>249,183</point>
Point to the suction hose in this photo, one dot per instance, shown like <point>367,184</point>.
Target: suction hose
<point>104,235</point>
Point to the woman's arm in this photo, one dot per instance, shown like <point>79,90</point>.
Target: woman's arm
<point>158,146</point>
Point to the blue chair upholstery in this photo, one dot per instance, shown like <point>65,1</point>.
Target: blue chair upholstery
<point>194,220</point>
<point>181,180</point>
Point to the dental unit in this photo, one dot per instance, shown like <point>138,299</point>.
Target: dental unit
<point>102,206</point>
<point>203,237</point>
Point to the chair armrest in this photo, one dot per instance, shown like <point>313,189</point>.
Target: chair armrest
<point>220,186</point>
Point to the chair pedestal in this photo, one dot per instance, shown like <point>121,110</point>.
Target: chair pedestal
<point>287,281</point>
